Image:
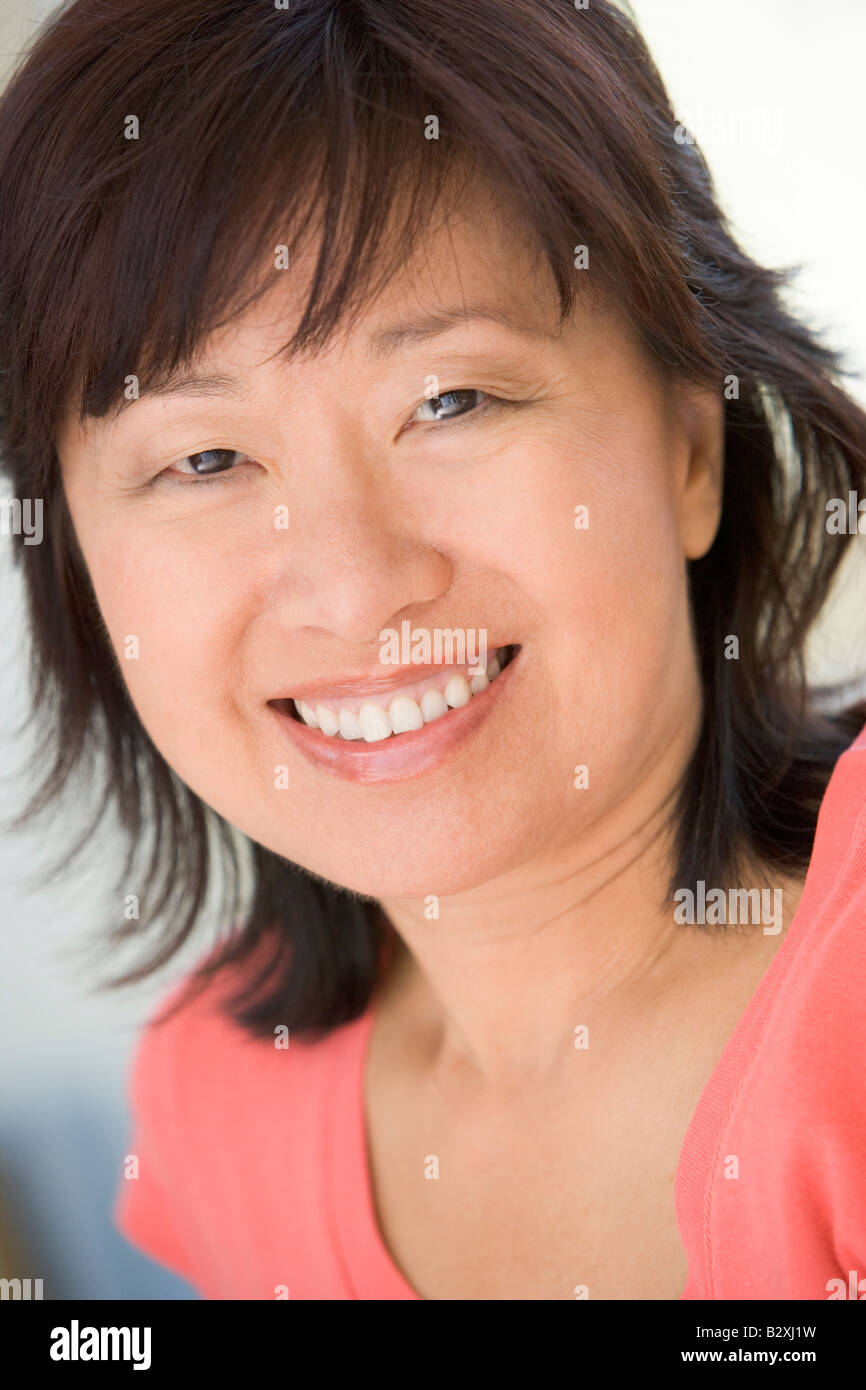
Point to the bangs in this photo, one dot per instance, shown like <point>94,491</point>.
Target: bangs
<point>257,127</point>
<point>364,208</point>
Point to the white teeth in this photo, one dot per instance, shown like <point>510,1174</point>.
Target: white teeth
<point>328,721</point>
<point>405,714</point>
<point>350,725</point>
<point>457,692</point>
<point>307,713</point>
<point>374,721</point>
<point>433,705</point>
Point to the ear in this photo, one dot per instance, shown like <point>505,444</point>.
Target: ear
<point>699,475</point>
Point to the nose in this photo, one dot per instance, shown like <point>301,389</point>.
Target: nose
<point>354,558</point>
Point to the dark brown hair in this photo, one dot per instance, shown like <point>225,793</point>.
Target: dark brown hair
<point>119,255</point>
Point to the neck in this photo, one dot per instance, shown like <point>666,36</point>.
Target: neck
<point>500,980</point>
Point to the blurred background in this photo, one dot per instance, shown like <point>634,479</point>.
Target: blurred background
<point>772,90</point>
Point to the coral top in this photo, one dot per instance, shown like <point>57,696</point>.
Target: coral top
<point>253,1180</point>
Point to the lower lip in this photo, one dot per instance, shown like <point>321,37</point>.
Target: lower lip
<point>402,755</point>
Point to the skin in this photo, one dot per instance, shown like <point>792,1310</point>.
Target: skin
<point>551,899</point>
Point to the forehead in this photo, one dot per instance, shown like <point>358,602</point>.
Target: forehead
<point>472,263</point>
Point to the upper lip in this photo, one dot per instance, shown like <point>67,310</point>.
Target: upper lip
<point>360,683</point>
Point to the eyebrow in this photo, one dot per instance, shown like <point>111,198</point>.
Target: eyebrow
<point>431,324</point>
<point>189,383</point>
<point>382,344</point>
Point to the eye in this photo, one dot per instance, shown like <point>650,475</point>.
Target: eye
<point>450,405</point>
<point>208,462</point>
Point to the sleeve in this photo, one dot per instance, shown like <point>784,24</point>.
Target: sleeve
<point>147,1209</point>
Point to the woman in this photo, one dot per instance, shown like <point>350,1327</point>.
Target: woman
<point>331,342</point>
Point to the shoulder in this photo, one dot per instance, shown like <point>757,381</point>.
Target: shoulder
<point>189,1018</point>
<point>803,1084</point>
<point>831,966</point>
<point>219,1118</point>
<point>825,984</point>
<point>772,1196</point>
<point>193,1059</point>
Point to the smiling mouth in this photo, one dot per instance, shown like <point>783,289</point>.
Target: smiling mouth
<point>378,719</point>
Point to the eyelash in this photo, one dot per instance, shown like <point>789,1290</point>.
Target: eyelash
<point>491,403</point>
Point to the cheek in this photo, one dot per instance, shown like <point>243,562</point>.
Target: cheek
<point>606,584</point>
<point>174,612</point>
<point>592,530</point>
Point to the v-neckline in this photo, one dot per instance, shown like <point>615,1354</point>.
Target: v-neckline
<point>365,1258</point>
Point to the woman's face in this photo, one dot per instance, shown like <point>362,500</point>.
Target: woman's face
<point>346,508</point>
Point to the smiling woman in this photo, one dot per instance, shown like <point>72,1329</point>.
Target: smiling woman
<point>344,338</point>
